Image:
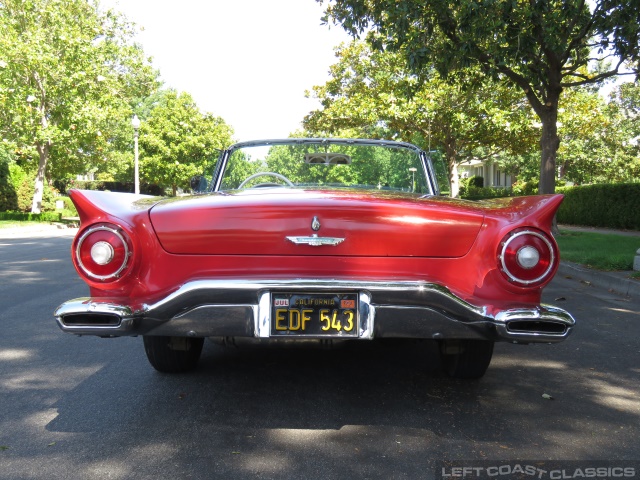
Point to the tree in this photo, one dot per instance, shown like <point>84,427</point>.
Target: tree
<point>376,93</point>
<point>68,75</point>
<point>622,134</point>
<point>177,141</point>
<point>628,96</point>
<point>584,122</point>
<point>541,46</point>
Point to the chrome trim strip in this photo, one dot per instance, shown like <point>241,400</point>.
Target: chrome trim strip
<point>367,316</point>
<point>327,141</point>
<point>316,241</point>
<point>263,322</point>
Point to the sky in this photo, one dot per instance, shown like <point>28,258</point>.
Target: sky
<point>247,61</point>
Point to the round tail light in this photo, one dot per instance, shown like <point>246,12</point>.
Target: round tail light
<point>102,252</point>
<point>527,257</point>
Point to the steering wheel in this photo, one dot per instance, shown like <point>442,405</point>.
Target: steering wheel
<point>271,174</point>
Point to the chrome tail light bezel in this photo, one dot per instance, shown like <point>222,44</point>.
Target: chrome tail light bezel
<point>511,269</point>
<point>125,246</point>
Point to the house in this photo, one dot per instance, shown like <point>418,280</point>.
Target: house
<point>490,172</point>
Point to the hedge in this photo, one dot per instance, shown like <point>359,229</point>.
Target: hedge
<point>614,205</point>
<point>603,205</point>
<point>483,193</point>
<point>41,217</point>
<point>8,197</point>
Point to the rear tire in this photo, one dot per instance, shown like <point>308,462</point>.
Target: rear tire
<point>466,359</point>
<point>173,354</point>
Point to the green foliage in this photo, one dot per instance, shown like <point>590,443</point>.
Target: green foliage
<point>521,188</point>
<point>599,140</point>
<point>177,141</point>
<point>482,193</point>
<point>441,172</point>
<point>25,197</point>
<point>542,47</point>
<point>627,96</point>
<point>604,205</point>
<point>476,181</point>
<point>69,209</point>
<point>239,167</point>
<point>598,143</point>
<point>472,188</point>
<point>524,167</point>
<point>8,197</point>
<point>68,75</point>
<point>383,167</point>
<point>32,217</point>
<point>375,93</point>
<point>18,175</point>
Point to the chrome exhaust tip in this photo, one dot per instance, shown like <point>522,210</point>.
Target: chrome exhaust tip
<point>537,327</point>
<point>90,320</point>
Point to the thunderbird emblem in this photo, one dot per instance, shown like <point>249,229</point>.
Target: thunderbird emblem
<point>316,241</point>
<point>315,224</point>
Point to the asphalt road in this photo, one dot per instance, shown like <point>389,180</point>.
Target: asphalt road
<point>91,408</point>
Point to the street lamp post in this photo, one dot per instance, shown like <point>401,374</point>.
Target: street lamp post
<point>135,123</point>
<point>413,171</point>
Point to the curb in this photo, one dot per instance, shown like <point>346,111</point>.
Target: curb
<point>616,283</point>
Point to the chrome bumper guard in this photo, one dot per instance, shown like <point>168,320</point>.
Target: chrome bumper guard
<point>234,308</point>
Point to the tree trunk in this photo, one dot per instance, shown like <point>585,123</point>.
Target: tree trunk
<point>454,180</point>
<point>43,154</point>
<point>450,154</point>
<point>549,143</point>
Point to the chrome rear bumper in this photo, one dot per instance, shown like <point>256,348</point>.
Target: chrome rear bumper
<point>208,308</point>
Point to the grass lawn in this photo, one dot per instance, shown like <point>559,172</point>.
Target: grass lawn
<point>598,250</point>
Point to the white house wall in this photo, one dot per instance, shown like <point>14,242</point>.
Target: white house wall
<point>492,175</point>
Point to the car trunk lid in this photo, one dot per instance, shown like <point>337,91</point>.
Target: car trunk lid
<point>279,221</point>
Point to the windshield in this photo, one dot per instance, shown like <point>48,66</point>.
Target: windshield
<point>324,164</point>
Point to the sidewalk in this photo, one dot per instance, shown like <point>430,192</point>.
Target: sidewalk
<point>38,230</point>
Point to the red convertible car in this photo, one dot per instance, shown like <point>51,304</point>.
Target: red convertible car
<point>316,239</point>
